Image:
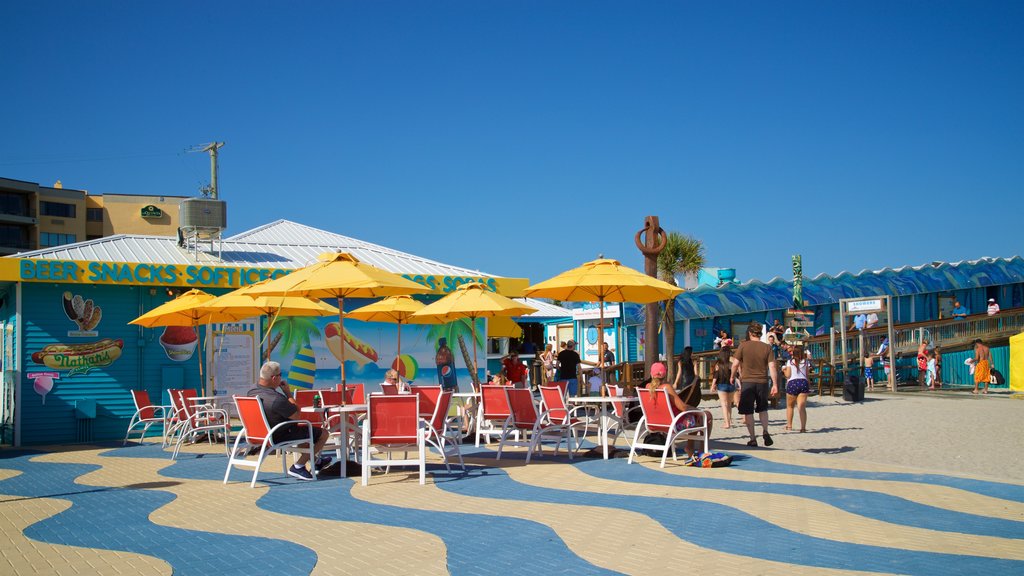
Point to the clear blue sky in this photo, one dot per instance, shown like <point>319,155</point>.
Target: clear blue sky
<point>523,138</point>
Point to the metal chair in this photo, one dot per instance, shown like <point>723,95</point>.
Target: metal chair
<point>256,431</point>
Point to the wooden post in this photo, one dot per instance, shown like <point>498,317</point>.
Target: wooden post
<point>651,241</point>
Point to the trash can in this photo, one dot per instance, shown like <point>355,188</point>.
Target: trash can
<point>536,373</point>
<point>853,389</point>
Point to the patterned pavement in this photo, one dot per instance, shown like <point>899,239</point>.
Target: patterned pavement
<point>112,509</point>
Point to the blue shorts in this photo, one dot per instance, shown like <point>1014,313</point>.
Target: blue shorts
<point>725,387</point>
<point>797,387</point>
<point>867,373</point>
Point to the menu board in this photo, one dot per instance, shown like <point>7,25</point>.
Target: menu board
<point>233,363</point>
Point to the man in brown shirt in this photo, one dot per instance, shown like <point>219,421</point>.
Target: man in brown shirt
<point>754,362</point>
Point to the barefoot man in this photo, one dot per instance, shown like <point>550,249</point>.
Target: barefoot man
<point>982,365</point>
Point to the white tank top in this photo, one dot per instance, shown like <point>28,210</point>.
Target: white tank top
<point>797,372</point>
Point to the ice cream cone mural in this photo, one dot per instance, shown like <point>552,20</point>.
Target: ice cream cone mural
<point>303,370</point>
<point>42,382</point>
<point>355,350</point>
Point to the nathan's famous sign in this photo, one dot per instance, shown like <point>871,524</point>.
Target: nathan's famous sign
<point>136,274</point>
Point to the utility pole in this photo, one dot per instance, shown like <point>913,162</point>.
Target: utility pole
<point>212,148</point>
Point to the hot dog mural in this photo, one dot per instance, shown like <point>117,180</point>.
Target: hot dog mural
<point>355,349</point>
<point>80,358</point>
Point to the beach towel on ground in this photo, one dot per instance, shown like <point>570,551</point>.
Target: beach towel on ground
<point>709,460</point>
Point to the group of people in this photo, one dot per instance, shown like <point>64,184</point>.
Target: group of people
<point>749,376</point>
<point>563,365</point>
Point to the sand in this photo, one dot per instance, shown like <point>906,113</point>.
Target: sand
<point>953,433</point>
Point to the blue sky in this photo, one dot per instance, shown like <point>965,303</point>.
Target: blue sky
<point>523,138</point>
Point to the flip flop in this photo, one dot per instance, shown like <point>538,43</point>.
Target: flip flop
<point>788,428</point>
<point>803,429</point>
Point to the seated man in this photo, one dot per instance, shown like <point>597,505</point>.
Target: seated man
<point>280,408</point>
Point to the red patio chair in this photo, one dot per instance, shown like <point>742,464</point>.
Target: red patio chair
<point>256,431</point>
<point>661,416</point>
<point>492,412</point>
<point>198,419</point>
<point>524,418</point>
<point>389,389</point>
<point>148,414</point>
<point>556,412</point>
<point>393,424</point>
<point>354,393</point>
<point>434,405</point>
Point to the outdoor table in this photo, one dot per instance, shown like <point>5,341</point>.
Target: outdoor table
<point>602,423</point>
<point>222,401</point>
<point>346,409</point>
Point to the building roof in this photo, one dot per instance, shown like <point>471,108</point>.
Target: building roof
<point>281,244</point>
<point>776,294</point>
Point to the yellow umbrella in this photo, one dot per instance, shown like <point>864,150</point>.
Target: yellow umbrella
<point>339,275</point>
<point>604,280</point>
<point>473,301</point>
<point>394,309</point>
<point>244,305</point>
<point>185,310</point>
<point>499,327</point>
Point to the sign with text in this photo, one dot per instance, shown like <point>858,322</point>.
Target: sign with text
<point>860,306</point>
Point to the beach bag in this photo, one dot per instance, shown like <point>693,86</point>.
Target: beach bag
<point>709,460</point>
<point>996,377</point>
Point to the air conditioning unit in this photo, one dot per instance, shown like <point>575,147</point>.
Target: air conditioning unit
<point>203,213</point>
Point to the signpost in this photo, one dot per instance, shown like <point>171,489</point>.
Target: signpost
<point>870,305</point>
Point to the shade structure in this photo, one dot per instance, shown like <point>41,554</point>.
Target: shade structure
<point>471,301</point>
<point>393,309</point>
<point>499,327</point>
<point>185,310</point>
<point>339,275</point>
<point>604,280</point>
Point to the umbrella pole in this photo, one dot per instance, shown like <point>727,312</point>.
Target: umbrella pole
<point>600,338</point>
<point>341,333</point>
<point>473,376</point>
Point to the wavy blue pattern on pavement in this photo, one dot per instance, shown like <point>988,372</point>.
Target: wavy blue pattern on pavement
<point>117,518</point>
<point>678,516</point>
<point>470,538</point>
<point>476,543</point>
<point>1013,492</point>
<point>876,505</point>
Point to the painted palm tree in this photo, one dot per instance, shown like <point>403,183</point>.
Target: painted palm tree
<point>683,254</point>
<point>452,331</point>
<point>293,333</point>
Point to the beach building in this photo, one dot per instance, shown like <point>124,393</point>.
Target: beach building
<point>70,357</point>
<point>920,294</point>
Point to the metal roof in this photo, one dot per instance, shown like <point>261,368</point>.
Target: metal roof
<point>776,294</point>
<point>280,244</point>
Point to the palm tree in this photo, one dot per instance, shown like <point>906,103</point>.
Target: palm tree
<point>297,333</point>
<point>683,254</point>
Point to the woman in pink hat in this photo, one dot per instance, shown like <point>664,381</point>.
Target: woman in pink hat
<point>658,373</point>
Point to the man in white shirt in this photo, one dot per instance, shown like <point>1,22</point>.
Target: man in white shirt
<point>993,307</point>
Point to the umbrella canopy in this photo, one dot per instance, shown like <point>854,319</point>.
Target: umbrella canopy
<point>473,300</point>
<point>185,310</point>
<point>499,327</point>
<point>243,304</point>
<point>339,275</point>
<point>393,309</point>
<point>604,280</point>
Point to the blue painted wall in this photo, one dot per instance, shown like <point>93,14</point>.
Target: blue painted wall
<point>141,363</point>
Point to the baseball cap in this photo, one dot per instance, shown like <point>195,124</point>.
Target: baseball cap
<point>658,370</point>
<point>991,299</point>
<point>570,344</point>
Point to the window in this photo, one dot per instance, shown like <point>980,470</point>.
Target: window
<point>57,209</point>
<point>47,239</point>
<point>14,236</point>
<point>11,203</point>
<point>94,214</point>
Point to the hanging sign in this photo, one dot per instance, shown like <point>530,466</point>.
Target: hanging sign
<point>152,212</point>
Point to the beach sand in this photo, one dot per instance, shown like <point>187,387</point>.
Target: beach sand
<point>953,433</point>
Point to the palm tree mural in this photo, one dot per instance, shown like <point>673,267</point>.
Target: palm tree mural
<point>683,254</point>
<point>293,333</point>
<point>453,330</point>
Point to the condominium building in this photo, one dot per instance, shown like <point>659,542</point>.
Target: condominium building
<point>34,216</point>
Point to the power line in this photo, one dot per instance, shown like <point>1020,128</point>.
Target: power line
<point>87,159</point>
